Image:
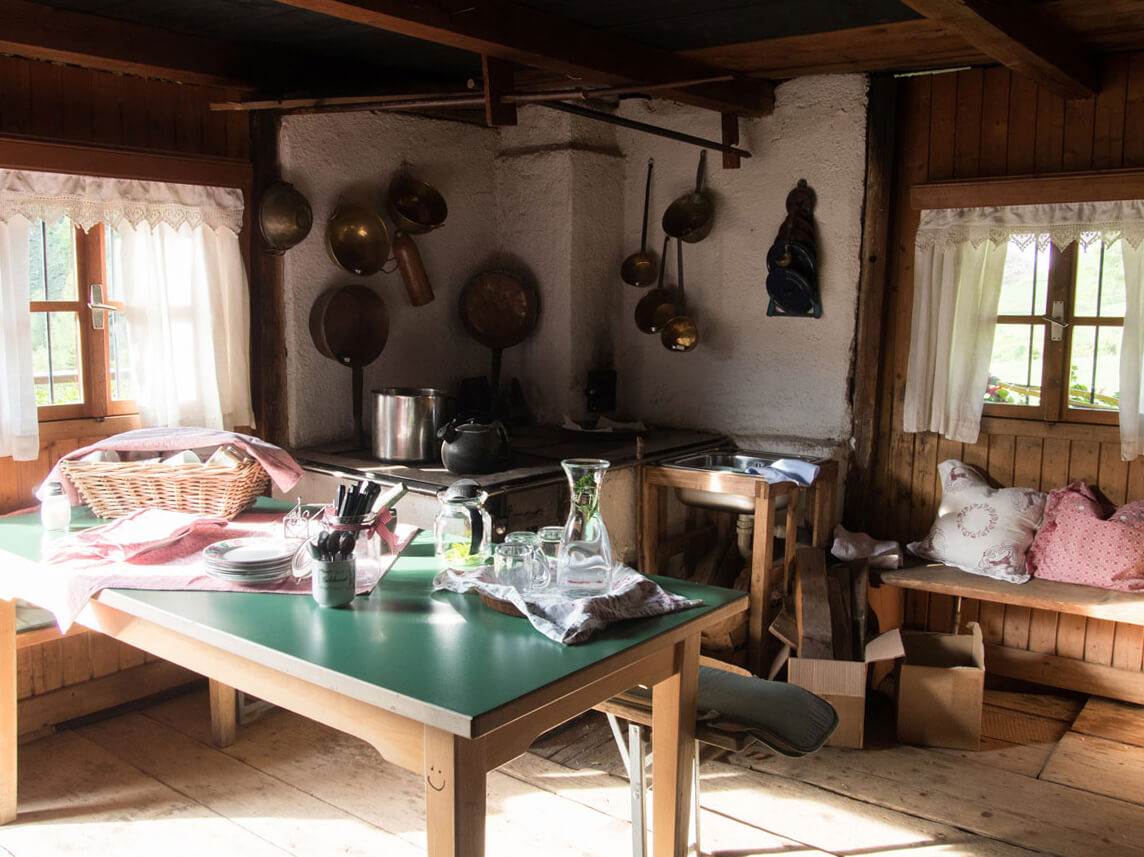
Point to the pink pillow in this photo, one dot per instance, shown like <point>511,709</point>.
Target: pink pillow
<point>1087,550</point>
<point>1076,498</point>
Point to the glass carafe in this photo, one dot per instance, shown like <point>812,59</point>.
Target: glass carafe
<point>462,527</point>
<point>584,561</point>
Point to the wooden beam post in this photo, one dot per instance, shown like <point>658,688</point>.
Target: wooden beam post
<point>527,37</point>
<point>1019,36</point>
<point>731,161</point>
<point>499,77</point>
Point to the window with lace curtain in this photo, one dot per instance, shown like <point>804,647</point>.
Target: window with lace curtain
<point>120,295</point>
<point>1060,322</point>
<point>80,337</point>
<point>1032,311</point>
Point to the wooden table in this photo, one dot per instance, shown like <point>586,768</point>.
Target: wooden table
<point>436,682</point>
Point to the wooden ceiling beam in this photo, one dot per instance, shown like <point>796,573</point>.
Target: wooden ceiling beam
<point>39,32</point>
<point>1019,36</point>
<point>500,29</point>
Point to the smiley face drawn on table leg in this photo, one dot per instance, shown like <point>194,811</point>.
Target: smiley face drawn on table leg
<point>429,779</point>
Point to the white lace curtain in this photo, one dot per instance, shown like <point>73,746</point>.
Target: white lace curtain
<point>959,261</point>
<point>185,287</point>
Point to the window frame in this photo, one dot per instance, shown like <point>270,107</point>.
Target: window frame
<point>1055,405</point>
<point>124,163</point>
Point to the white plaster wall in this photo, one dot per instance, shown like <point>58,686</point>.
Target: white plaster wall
<point>326,155</point>
<point>771,383</point>
<point>562,198</point>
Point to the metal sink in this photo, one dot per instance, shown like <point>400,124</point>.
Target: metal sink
<point>738,461</point>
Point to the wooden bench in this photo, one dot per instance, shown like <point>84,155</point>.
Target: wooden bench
<point>64,676</point>
<point>1077,637</point>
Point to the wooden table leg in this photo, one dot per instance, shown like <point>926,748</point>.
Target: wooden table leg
<point>455,773</point>
<point>8,730</point>
<point>224,714</point>
<point>673,750</point>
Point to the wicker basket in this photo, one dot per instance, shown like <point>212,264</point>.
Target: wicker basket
<point>115,488</point>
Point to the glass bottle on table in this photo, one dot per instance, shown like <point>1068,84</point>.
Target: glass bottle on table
<point>55,508</point>
<point>584,560</point>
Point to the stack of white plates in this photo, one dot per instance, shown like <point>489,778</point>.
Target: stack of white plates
<point>254,560</point>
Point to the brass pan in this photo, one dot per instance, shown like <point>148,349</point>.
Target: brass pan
<point>357,239</point>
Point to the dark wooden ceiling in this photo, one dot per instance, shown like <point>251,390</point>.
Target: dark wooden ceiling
<point>280,48</point>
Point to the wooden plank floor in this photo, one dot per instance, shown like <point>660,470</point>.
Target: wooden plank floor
<point>1057,776</point>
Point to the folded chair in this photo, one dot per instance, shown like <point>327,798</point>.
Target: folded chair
<point>734,709</point>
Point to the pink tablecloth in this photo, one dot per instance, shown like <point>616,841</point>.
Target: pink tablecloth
<point>64,588</point>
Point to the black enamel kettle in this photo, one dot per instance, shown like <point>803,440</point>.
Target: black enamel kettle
<point>474,447</point>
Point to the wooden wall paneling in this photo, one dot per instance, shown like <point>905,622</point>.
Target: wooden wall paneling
<point>161,100</point>
<point>1113,479</point>
<point>1078,138</point>
<point>977,454</point>
<point>968,128</point>
<point>925,485</point>
<point>104,655</point>
<point>1098,639</point>
<point>47,117</point>
<point>970,611</point>
<point>1027,463</point>
<point>48,669</point>
<point>15,95</point>
<point>107,109</point>
<point>1134,113</point>
<point>1018,624</point>
<point>24,672</point>
<point>1049,145</point>
<point>1001,451</point>
<point>1108,119</point>
<point>992,619</point>
<point>76,101</point>
<point>943,113</point>
<point>1070,636</point>
<point>190,113</point>
<point>1043,631</point>
<point>1135,478</point>
<point>1084,462</point>
<point>129,656</point>
<point>1128,647</point>
<point>917,610</point>
<point>1054,463</point>
<point>134,112</point>
<point>995,121</point>
<point>940,613</point>
<point>1022,146</point>
<point>237,134</point>
<point>75,651</point>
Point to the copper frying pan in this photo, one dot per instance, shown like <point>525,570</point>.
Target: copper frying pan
<point>499,309</point>
<point>351,325</point>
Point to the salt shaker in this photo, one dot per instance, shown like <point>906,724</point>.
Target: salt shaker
<point>55,508</point>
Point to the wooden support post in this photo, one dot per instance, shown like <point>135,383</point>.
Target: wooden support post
<point>454,794</point>
<point>7,711</point>
<point>673,750</point>
<point>759,588</point>
<point>224,714</point>
<point>499,81</point>
<point>731,161</point>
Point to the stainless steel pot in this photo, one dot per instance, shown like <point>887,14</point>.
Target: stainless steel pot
<point>406,421</point>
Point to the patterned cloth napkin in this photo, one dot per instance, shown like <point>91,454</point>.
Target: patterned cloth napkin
<point>65,585</point>
<point>632,596</point>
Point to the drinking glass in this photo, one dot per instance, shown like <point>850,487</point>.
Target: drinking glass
<point>549,538</point>
<point>515,564</point>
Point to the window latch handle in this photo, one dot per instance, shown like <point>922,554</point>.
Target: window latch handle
<point>1057,323</point>
<point>98,307</point>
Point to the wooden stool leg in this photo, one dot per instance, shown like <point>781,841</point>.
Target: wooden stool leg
<point>224,714</point>
<point>8,728</point>
<point>637,778</point>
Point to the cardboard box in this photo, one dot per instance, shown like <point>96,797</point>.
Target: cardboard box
<point>843,685</point>
<point>941,689</point>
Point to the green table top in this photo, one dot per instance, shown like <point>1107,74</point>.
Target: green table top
<point>403,646</point>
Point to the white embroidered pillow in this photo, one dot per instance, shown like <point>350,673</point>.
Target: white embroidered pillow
<point>980,529</point>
